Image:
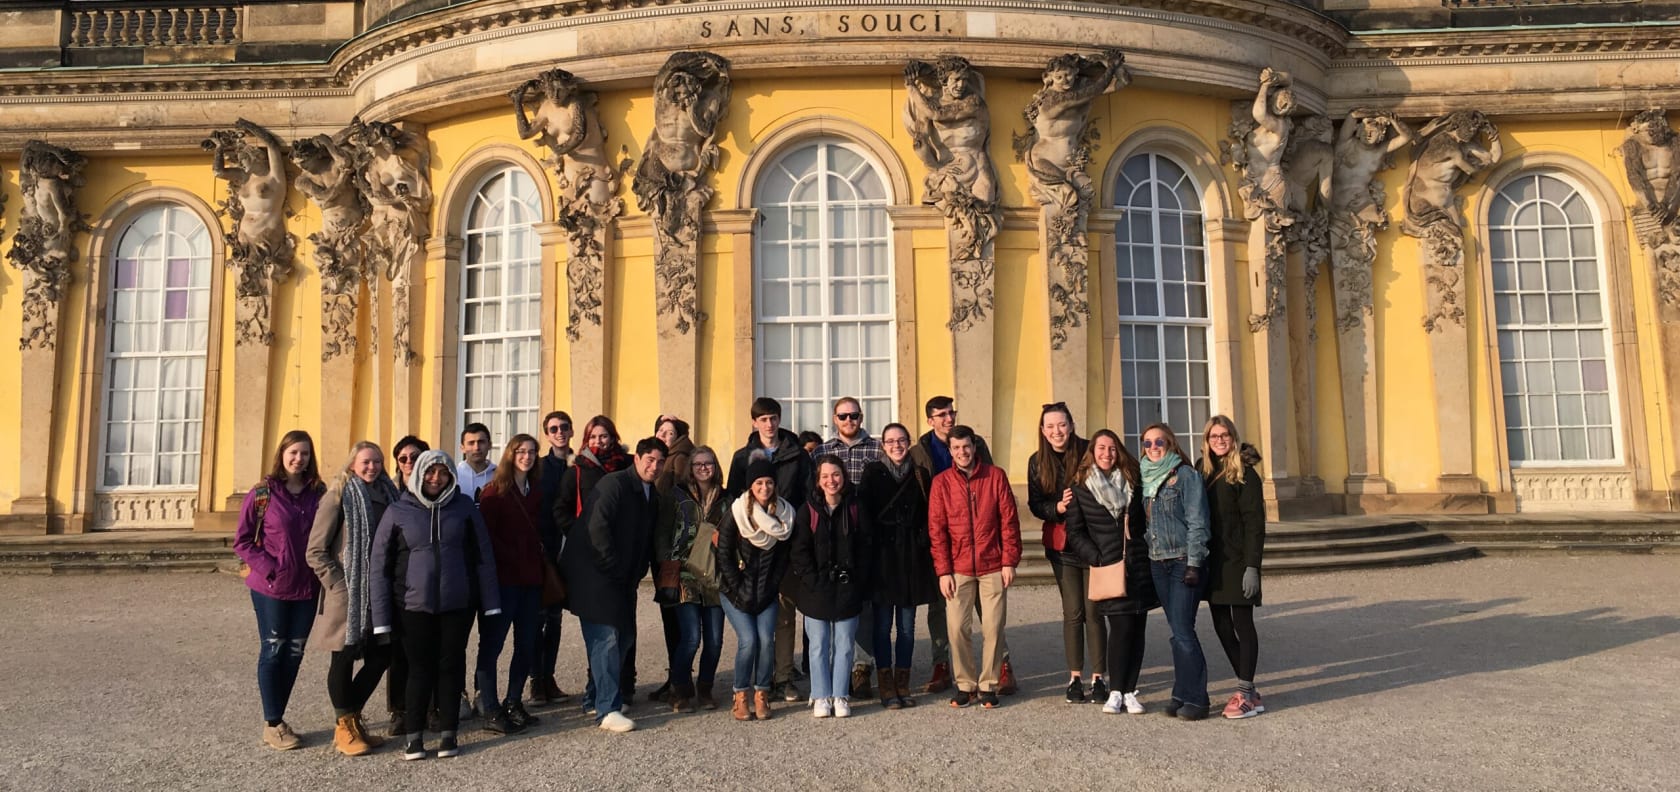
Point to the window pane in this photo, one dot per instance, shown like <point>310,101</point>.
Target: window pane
<point>502,307</point>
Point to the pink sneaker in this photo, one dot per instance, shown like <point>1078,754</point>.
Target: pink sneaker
<point>1243,705</point>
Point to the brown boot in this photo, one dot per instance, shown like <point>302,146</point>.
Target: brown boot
<point>860,681</point>
<point>539,693</point>
<point>706,699</point>
<point>941,680</point>
<point>373,740</point>
<point>901,682</point>
<point>889,688</point>
<point>739,707</point>
<point>761,704</point>
<point>347,739</point>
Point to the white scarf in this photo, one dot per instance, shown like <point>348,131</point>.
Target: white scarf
<point>1111,490</point>
<point>760,527</point>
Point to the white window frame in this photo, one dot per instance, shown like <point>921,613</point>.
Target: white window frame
<point>1606,325</point>
<point>1190,438</point>
<point>168,210</point>
<point>507,229</point>
<point>825,319</point>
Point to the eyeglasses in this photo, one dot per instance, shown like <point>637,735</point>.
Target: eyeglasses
<point>944,414</point>
<point>1159,442</point>
<point>848,416</point>
<point>703,465</point>
<point>1219,436</point>
<point>897,441</point>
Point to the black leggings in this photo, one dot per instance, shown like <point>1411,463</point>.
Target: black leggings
<point>349,688</point>
<point>1125,650</point>
<point>437,666</point>
<point>1235,626</point>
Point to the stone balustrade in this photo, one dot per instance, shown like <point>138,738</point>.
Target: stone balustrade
<point>163,25</point>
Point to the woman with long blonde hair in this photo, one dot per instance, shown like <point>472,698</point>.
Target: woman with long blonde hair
<point>1237,527</point>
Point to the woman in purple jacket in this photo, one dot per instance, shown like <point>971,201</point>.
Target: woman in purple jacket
<point>273,534</point>
<point>432,566</point>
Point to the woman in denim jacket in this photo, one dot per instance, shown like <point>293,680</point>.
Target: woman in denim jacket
<point>1176,504</point>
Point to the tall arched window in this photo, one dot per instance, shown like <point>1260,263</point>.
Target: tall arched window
<point>154,364</point>
<point>1160,268</point>
<point>824,285</point>
<point>1551,324</point>
<point>501,306</point>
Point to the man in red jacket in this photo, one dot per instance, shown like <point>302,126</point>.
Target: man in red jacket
<point>976,536</point>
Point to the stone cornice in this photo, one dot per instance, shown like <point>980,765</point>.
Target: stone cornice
<point>170,84</point>
<point>1496,47</point>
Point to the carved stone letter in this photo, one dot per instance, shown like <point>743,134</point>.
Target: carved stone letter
<point>43,249</point>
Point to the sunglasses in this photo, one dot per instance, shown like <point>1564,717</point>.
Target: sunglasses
<point>407,458</point>
<point>848,416</point>
<point>1159,442</point>
<point>559,428</point>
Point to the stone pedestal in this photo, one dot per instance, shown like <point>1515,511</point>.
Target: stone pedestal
<point>677,288</point>
<point>1273,380</point>
<point>588,288</point>
<point>1067,276</point>
<point>1303,370</point>
<point>973,325</point>
<point>250,400</point>
<point>37,402</point>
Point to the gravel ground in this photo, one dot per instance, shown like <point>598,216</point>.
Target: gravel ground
<point>1521,674</point>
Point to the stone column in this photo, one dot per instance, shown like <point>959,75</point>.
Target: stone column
<point>441,249</point>
<point>1650,154</point>
<point>327,176</point>
<point>1303,372</point>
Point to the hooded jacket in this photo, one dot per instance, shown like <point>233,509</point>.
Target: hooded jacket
<point>274,549</point>
<point>794,472</point>
<point>432,556</point>
<point>1237,530</point>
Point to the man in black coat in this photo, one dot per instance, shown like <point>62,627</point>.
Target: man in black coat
<point>606,557</point>
<point>557,427</point>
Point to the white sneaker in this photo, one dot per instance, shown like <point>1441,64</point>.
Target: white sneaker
<point>617,723</point>
<point>822,707</point>
<point>1133,706</point>
<point>842,708</point>
<point>1115,704</point>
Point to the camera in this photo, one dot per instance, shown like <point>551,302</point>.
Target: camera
<point>839,576</point>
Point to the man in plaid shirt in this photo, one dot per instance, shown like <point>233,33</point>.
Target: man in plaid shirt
<point>852,443</point>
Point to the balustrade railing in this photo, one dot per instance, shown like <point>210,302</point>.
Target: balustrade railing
<point>169,25</point>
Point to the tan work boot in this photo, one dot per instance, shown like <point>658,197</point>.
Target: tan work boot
<point>373,740</point>
<point>280,737</point>
<point>346,738</point>
<point>761,704</point>
<point>739,707</point>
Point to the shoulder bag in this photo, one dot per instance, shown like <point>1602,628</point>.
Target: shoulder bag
<point>1109,581</point>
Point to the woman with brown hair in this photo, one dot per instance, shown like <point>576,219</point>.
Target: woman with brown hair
<point>1050,480</point>
<point>1175,504</point>
<point>602,453</point>
<point>274,525</point>
<point>1237,517</point>
<point>1105,526</point>
<point>512,508</point>
<point>340,547</point>
<point>690,519</point>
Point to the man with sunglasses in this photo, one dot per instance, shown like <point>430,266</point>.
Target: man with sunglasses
<point>557,427</point>
<point>856,450</point>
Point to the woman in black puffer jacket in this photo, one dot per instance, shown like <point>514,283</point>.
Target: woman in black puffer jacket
<point>752,557</point>
<point>1105,524</point>
<point>1237,527</point>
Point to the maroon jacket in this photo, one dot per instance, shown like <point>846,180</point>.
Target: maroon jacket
<point>972,522</point>
<point>512,520</point>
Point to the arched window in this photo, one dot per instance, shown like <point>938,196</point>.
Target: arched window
<point>1160,267</point>
<point>1551,323</point>
<point>154,363</point>
<point>501,306</point>
<point>824,285</point>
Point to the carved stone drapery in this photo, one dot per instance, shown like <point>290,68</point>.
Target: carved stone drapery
<point>690,97</point>
<point>565,121</point>
<point>1651,154</point>
<point>260,249</point>
<point>1259,139</point>
<point>1365,145</point>
<point>1450,155</point>
<point>328,177</point>
<point>392,163</point>
<point>1309,162</point>
<point>42,247</point>
<point>1057,149</point>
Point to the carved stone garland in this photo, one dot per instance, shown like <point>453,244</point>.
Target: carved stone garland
<point>328,177</point>
<point>260,249</point>
<point>43,246</point>
<point>392,163</point>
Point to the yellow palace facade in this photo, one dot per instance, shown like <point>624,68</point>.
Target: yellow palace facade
<point>1424,253</point>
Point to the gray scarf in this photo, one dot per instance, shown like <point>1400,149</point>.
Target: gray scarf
<point>898,469</point>
<point>1111,490</point>
<point>356,497</point>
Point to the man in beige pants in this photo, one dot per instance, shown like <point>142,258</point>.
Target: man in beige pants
<point>976,536</point>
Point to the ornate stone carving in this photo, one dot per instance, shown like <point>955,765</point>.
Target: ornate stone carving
<point>1259,139</point>
<point>1451,154</point>
<point>1309,162</point>
<point>42,246</point>
<point>690,97</point>
<point>1651,155</point>
<point>393,165</point>
<point>1056,149</point>
<point>328,177</point>
<point>260,249</point>
<point>1365,146</point>
<point>565,121</point>
<point>946,115</point>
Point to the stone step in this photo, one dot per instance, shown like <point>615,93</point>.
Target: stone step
<point>1337,529</point>
<point>1276,550</point>
<point>1411,556</point>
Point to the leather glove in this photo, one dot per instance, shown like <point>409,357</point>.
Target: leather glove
<point>382,639</point>
<point>1251,582</point>
<point>1192,576</point>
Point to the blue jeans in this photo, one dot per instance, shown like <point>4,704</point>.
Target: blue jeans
<point>522,611</point>
<point>885,616</point>
<point>755,645</point>
<point>607,649</point>
<point>283,626</point>
<point>697,626</point>
<point>1181,603</point>
<point>831,656</point>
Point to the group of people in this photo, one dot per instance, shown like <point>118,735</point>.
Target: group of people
<point>390,572</point>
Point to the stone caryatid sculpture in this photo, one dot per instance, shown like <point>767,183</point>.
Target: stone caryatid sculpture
<point>42,246</point>
<point>1057,149</point>
<point>1366,145</point>
<point>565,121</point>
<point>1453,149</point>
<point>690,96</point>
<point>1259,141</point>
<point>328,176</point>
<point>1651,154</point>
<point>949,125</point>
<point>393,165</point>
<point>253,161</point>
<point>1309,161</point>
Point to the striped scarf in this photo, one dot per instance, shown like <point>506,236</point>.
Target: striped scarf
<point>358,540</point>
